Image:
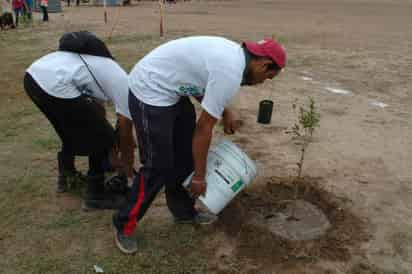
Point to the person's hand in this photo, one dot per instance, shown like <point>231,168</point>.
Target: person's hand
<point>124,164</point>
<point>230,123</point>
<point>197,187</point>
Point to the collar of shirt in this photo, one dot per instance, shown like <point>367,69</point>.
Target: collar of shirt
<point>247,61</point>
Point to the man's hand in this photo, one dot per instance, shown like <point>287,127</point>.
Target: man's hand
<point>197,187</point>
<point>123,163</point>
<point>230,123</point>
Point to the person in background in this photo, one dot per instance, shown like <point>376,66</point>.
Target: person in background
<point>17,8</point>
<point>44,6</point>
<point>77,3</point>
<point>172,143</point>
<point>27,7</point>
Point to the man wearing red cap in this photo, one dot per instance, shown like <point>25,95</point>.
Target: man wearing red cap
<point>171,143</point>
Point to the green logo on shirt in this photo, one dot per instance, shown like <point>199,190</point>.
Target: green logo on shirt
<point>190,90</point>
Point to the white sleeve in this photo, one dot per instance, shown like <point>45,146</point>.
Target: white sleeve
<point>220,89</point>
<point>122,104</point>
<point>116,87</point>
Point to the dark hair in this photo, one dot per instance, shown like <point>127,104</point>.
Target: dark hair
<point>272,66</point>
<point>84,42</point>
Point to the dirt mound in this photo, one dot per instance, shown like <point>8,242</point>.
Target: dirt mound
<point>298,221</point>
<point>253,240</point>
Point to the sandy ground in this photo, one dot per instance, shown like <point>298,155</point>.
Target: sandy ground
<point>354,59</point>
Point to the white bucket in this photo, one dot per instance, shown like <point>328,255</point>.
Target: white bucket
<point>228,171</point>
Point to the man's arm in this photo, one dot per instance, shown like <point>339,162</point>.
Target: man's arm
<point>127,145</point>
<point>230,122</point>
<point>200,146</point>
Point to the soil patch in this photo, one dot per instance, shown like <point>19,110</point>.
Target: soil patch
<point>297,221</point>
<point>239,221</point>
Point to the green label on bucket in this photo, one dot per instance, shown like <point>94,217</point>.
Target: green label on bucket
<point>237,185</point>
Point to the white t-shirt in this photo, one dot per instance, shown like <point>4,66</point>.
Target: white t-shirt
<point>206,66</point>
<point>64,75</point>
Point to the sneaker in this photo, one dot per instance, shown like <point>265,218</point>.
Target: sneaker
<point>126,244</point>
<point>201,218</point>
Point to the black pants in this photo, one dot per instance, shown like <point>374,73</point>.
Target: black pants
<point>80,123</point>
<point>45,13</point>
<point>165,143</point>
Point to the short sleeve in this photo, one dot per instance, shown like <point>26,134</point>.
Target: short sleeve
<point>122,106</point>
<point>221,88</point>
<point>113,81</point>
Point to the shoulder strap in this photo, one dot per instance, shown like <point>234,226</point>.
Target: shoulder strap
<point>91,73</point>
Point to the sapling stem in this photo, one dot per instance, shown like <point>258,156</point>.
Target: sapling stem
<point>308,120</point>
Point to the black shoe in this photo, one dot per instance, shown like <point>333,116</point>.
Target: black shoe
<point>117,185</point>
<point>126,244</point>
<point>96,197</point>
<point>201,218</point>
<point>69,177</point>
<point>70,180</point>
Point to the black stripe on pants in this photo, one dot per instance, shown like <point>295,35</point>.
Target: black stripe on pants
<point>165,143</point>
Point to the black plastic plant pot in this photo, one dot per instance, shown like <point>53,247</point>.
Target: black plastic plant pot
<point>265,111</point>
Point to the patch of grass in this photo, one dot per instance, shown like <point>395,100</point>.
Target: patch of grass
<point>48,143</point>
<point>163,249</point>
<point>68,219</point>
<point>402,244</point>
<point>38,264</point>
<point>130,38</point>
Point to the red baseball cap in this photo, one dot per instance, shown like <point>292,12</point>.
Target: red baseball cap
<point>268,48</point>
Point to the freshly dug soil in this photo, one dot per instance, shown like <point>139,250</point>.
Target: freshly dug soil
<point>246,220</point>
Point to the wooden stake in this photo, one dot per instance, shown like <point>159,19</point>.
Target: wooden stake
<point>161,17</point>
<point>115,22</point>
<point>105,12</point>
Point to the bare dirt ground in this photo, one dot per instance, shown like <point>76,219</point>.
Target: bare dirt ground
<point>350,56</point>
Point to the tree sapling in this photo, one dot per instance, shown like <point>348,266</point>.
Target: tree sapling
<point>308,120</point>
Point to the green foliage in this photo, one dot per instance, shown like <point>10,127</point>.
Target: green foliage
<point>309,118</point>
